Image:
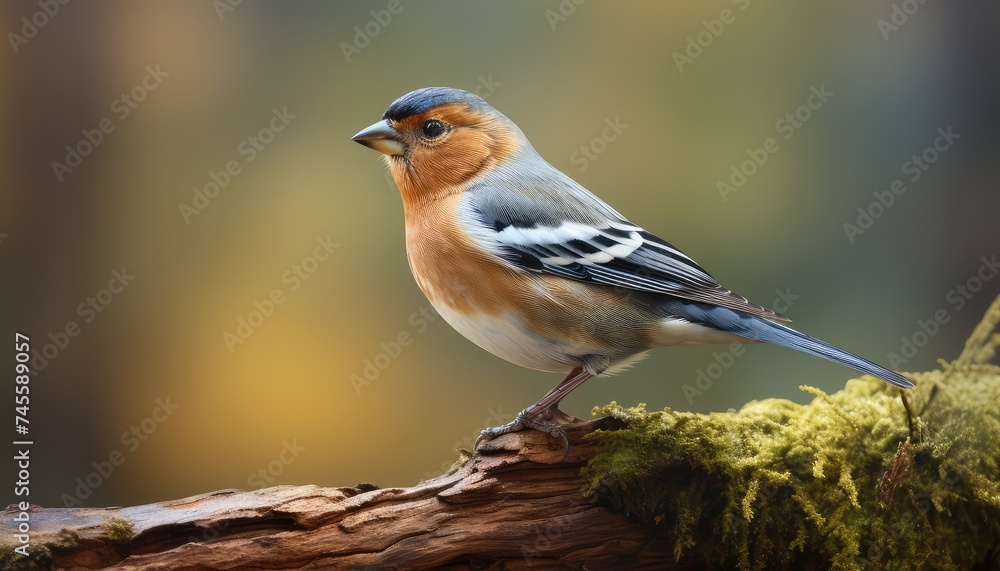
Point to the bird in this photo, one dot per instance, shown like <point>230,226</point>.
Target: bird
<point>531,266</point>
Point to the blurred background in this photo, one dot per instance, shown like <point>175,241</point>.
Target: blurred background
<point>213,276</point>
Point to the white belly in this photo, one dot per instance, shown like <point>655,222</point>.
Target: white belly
<point>506,338</point>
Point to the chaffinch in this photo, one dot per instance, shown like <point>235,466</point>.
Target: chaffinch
<point>529,265</point>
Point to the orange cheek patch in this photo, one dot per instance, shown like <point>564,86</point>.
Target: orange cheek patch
<point>433,170</point>
<point>458,158</point>
<point>493,134</point>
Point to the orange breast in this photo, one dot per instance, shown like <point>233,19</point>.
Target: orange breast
<point>453,270</point>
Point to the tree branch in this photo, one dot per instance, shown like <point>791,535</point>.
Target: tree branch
<point>856,479</point>
<point>516,505</point>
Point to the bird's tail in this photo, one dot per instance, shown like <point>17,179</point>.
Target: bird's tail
<point>761,329</point>
<point>778,334</point>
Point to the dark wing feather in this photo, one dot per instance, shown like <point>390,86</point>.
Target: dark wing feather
<point>612,252</point>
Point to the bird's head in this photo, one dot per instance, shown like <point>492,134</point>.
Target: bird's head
<point>438,139</point>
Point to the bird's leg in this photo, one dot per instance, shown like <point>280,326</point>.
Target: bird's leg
<point>536,415</point>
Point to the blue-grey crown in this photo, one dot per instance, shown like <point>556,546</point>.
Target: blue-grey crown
<point>421,100</point>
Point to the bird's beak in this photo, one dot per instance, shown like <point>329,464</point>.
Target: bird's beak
<point>382,137</point>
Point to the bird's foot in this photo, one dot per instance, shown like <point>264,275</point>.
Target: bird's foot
<point>529,419</point>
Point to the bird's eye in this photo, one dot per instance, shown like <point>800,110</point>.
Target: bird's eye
<point>433,128</point>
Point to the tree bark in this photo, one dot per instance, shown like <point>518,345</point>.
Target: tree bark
<point>517,504</point>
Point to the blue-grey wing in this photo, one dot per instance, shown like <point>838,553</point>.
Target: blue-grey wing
<point>571,233</point>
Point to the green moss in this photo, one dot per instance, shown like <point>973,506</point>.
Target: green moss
<point>119,529</point>
<point>38,559</point>
<point>464,455</point>
<point>39,556</point>
<point>66,540</point>
<point>778,484</point>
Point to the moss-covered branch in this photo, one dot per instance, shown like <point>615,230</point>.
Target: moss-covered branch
<point>850,480</point>
<point>856,479</point>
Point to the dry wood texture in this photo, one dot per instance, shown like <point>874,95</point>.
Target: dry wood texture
<point>516,505</point>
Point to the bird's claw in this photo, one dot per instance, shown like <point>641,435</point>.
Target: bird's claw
<point>492,432</point>
<point>550,428</point>
<point>526,419</point>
